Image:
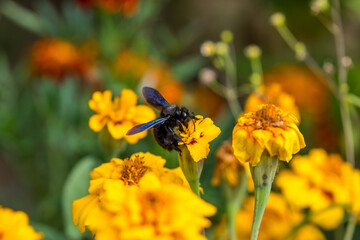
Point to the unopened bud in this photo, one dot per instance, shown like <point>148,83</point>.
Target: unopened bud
<point>207,49</point>
<point>207,76</point>
<point>277,19</point>
<point>346,61</point>
<point>252,51</point>
<point>328,67</point>
<point>318,6</point>
<point>227,36</point>
<point>222,48</point>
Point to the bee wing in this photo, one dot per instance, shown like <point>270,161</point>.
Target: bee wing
<point>146,126</point>
<point>154,98</point>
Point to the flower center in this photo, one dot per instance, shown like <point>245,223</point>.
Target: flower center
<point>266,117</point>
<point>133,170</point>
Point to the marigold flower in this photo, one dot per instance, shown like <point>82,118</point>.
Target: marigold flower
<point>272,94</point>
<point>127,172</point>
<point>161,78</point>
<point>228,168</point>
<point>153,211</point>
<point>131,65</point>
<point>120,114</point>
<point>57,58</point>
<point>14,225</point>
<point>125,7</point>
<point>197,135</point>
<point>277,223</point>
<point>270,129</point>
<point>318,181</point>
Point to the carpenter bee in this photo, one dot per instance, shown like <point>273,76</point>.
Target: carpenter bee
<point>171,116</point>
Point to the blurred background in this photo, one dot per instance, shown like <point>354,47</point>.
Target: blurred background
<point>55,54</point>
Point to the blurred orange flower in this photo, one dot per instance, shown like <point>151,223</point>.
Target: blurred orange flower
<point>120,114</point>
<point>277,223</point>
<point>228,169</point>
<point>128,64</point>
<point>14,225</point>
<point>57,58</point>
<point>272,94</point>
<point>319,181</point>
<point>126,7</point>
<point>161,78</point>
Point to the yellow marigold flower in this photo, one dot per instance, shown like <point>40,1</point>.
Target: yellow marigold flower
<point>317,181</point>
<point>57,58</point>
<point>277,223</point>
<point>272,94</point>
<point>197,136</point>
<point>309,232</point>
<point>228,168</point>
<point>270,129</point>
<point>14,225</point>
<point>153,211</point>
<point>120,114</point>
<point>128,172</point>
<point>128,64</point>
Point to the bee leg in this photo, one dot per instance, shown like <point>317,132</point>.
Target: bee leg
<point>173,134</point>
<point>180,125</point>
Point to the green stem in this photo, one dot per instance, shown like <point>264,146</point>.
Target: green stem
<point>350,229</point>
<point>291,41</point>
<point>343,86</point>
<point>230,86</point>
<point>263,175</point>
<point>194,185</point>
<point>234,199</point>
<point>261,197</point>
<point>191,169</point>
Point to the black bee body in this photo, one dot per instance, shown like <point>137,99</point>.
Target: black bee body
<point>171,116</point>
<point>176,116</point>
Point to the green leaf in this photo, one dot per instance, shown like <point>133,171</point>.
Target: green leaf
<point>49,232</point>
<point>187,68</point>
<point>76,186</point>
<point>23,17</point>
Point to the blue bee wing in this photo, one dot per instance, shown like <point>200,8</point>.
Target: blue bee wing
<point>154,98</point>
<point>146,126</point>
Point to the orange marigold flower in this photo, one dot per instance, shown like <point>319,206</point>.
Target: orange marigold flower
<point>120,114</point>
<point>318,181</point>
<point>161,78</point>
<point>14,225</point>
<point>229,169</point>
<point>57,58</point>
<point>268,129</point>
<point>127,172</point>
<point>277,223</point>
<point>197,135</point>
<point>126,7</point>
<point>272,94</point>
<point>130,65</point>
<point>154,210</point>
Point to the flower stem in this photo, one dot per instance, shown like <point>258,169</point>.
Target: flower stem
<point>350,229</point>
<point>234,199</point>
<point>263,175</point>
<point>191,169</point>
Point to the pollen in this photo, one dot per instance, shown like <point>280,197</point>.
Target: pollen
<point>133,170</point>
<point>266,117</point>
